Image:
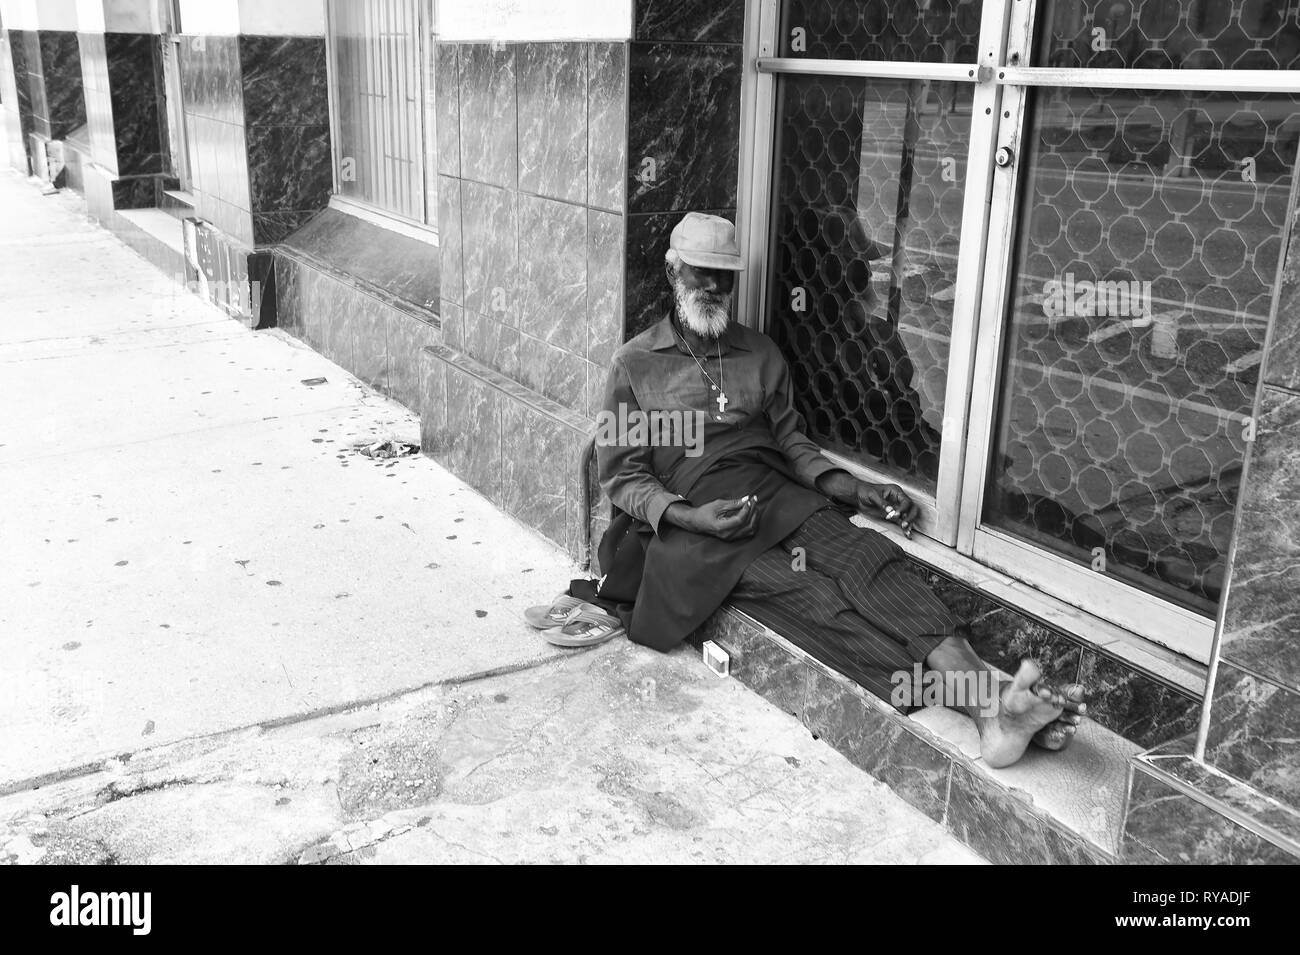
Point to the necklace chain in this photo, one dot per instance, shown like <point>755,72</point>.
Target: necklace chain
<point>719,385</point>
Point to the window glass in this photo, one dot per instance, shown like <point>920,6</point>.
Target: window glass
<point>1151,226</point>
<point>930,31</point>
<point>379,104</point>
<point>866,219</point>
<point>1170,34</point>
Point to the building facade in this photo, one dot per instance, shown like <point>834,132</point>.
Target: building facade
<point>1031,260</point>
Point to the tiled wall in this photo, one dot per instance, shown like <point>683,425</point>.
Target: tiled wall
<point>531,139</point>
<point>286,125</point>
<point>684,72</point>
<point>1255,716</point>
<point>25,51</point>
<point>531,153</point>
<point>136,85</point>
<point>123,89</point>
<point>378,340</point>
<point>212,91</point>
<point>98,97</point>
<point>65,108</point>
<point>257,117</point>
<point>11,120</point>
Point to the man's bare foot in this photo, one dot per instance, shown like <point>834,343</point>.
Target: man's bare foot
<point>1025,706</point>
<point>1057,734</point>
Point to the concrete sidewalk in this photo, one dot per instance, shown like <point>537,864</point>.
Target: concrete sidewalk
<point>206,590</point>
<point>190,542</point>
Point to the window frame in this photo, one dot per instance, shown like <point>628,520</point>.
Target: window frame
<point>953,516</point>
<point>426,12</point>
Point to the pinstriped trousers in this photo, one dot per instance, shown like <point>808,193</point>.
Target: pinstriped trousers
<point>854,606</point>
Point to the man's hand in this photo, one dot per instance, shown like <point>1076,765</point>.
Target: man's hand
<point>891,501</point>
<point>887,500</point>
<point>728,520</point>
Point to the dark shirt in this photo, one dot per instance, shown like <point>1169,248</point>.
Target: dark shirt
<point>655,372</point>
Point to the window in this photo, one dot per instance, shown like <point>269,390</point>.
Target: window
<point>1022,258</point>
<point>381,67</point>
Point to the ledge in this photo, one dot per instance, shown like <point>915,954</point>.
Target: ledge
<point>1184,811</point>
<point>1056,808</point>
<point>383,262</point>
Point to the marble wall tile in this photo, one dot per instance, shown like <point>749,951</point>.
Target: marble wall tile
<point>433,402</point>
<point>99,104</point>
<point>683,126</point>
<point>313,308</point>
<point>577,527</point>
<point>450,240</point>
<point>695,21</point>
<point>1254,725</point>
<point>552,272</point>
<point>489,146</point>
<point>21,48</point>
<point>839,714</point>
<point>340,309</point>
<point>269,228</point>
<point>552,92</point>
<point>554,373</point>
<point>288,168</point>
<point>533,469</point>
<point>288,305</point>
<point>453,325</point>
<point>1002,636</point>
<point>1164,826</point>
<point>604,285</point>
<point>283,80</point>
<point>1004,829</point>
<point>606,125</point>
<point>257,271</point>
<point>759,663</point>
<point>61,69</point>
<point>489,231</point>
<point>447,93</point>
<point>471,445</point>
<point>1260,627</point>
<point>1175,760</point>
<point>134,77</point>
<point>407,337</point>
<point>1282,364</point>
<point>597,376</point>
<point>493,343</point>
<point>1135,705</point>
<point>369,327</point>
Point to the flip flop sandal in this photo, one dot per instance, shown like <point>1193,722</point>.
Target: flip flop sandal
<point>587,627</point>
<point>556,615</point>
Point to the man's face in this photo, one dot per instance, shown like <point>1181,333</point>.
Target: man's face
<point>703,298</point>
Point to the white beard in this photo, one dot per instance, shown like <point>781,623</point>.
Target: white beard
<point>705,313</point>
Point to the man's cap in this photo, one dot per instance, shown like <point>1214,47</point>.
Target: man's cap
<point>707,242</point>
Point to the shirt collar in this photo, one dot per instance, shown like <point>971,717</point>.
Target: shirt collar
<point>663,337</point>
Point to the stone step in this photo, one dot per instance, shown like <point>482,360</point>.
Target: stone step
<point>1057,808</point>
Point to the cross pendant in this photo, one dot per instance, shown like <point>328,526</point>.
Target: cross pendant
<point>722,401</point>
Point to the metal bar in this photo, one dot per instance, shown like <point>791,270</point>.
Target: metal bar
<point>1226,81</point>
<point>994,289</point>
<point>951,489</point>
<point>881,69</point>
